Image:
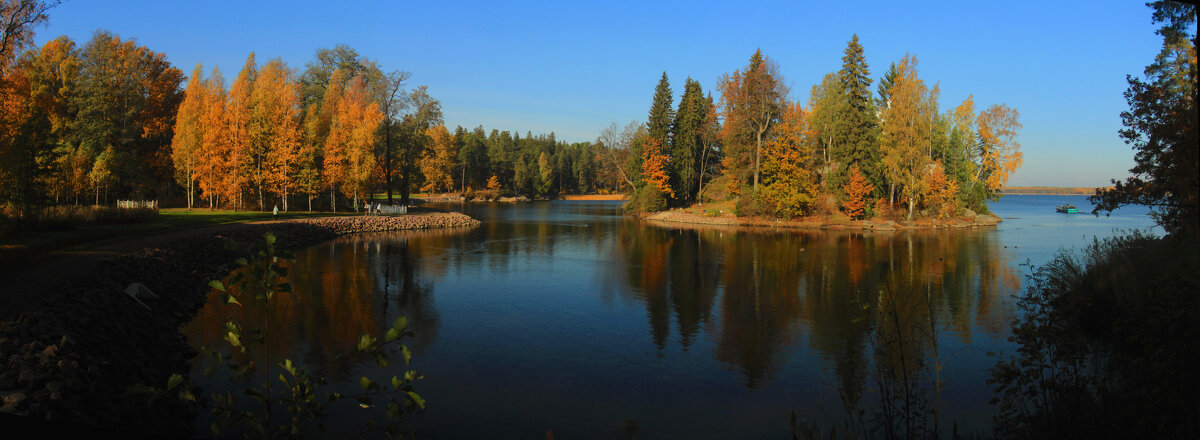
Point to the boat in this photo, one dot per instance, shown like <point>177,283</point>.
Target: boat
<point>1067,209</point>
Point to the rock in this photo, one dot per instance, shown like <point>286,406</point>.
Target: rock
<point>9,401</point>
<point>887,226</point>
<point>985,219</point>
<point>866,224</point>
<point>968,213</point>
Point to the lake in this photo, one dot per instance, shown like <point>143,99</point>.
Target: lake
<point>571,317</point>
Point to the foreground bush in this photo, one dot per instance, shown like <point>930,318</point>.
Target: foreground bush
<point>1107,345</point>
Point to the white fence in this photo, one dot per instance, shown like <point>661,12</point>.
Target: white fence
<point>390,209</point>
<point>137,204</point>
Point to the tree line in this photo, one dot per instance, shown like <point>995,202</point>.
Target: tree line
<point>869,151</point>
<point>115,119</point>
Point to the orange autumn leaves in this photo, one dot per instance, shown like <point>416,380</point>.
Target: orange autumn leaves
<point>654,167</point>
<point>250,137</point>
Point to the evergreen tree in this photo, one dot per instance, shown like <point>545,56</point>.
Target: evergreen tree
<point>687,141</point>
<point>855,132</point>
<point>661,114</point>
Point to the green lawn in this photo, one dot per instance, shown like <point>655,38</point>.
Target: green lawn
<point>23,245</point>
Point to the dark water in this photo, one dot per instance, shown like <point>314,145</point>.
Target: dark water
<point>568,316</point>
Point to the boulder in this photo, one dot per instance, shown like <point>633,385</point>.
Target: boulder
<point>985,219</point>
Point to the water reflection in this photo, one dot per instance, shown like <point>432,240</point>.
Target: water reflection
<point>344,288</point>
<point>774,289</point>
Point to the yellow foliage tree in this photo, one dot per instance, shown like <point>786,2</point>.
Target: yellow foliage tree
<point>237,120</point>
<point>790,186</point>
<point>906,126</point>
<point>352,135</point>
<point>1000,154</point>
<point>493,183</point>
<point>438,162</point>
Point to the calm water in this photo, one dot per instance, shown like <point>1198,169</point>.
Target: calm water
<point>568,316</point>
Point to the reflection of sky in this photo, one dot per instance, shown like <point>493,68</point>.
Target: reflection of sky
<point>551,315</point>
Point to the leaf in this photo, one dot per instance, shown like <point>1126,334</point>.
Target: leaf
<point>391,335</point>
<point>174,381</point>
<point>230,299</point>
<point>401,323</point>
<point>216,284</point>
<point>365,383</point>
<point>417,399</point>
<point>364,342</point>
<point>407,354</point>
<point>396,383</point>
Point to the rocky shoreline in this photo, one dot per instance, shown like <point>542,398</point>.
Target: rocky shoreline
<point>72,358</point>
<point>883,225</point>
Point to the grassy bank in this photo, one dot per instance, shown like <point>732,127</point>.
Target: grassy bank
<point>23,245</point>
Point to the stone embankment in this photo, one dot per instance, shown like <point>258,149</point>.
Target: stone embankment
<point>971,220</point>
<point>73,358</point>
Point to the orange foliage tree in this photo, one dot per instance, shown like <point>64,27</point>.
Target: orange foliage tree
<point>942,192</point>
<point>493,183</point>
<point>215,151</point>
<point>654,167</point>
<point>349,147</point>
<point>857,189</point>
<point>185,146</point>
<point>275,129</point>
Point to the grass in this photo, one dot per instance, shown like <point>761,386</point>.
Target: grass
<point>27,245</point>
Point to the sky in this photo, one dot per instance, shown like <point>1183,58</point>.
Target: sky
<point>573,68</point>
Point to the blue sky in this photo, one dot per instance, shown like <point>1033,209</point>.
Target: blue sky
<point>575,68</point>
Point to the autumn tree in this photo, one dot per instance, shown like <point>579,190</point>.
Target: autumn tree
<point>349,148</point>
<point>905,134</point>
<point>752,100</point>
<point>274,131</point>
<point>186,145</point>
<point>18,18</point>
<point>493,183</point>
<point>999,153</point>
<point>858,190</point>
<point>438,162</point>
<point>127,99</point>
<point>239,109</point>
<point>789,185</point>
<point>214,164</point>
<point>655,164</point>
<point>941,195</point>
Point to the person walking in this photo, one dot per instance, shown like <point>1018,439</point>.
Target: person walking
<point>275,212</point>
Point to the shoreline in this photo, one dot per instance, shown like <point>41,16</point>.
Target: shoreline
<point>72,356</point>
<point>822,223</point>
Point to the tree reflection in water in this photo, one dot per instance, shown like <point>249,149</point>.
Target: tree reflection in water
<point>831,289</point>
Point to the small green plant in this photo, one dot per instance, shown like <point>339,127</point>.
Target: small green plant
<point>287,402</point>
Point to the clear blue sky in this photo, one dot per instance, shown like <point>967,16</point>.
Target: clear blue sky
<point>575,68</point>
